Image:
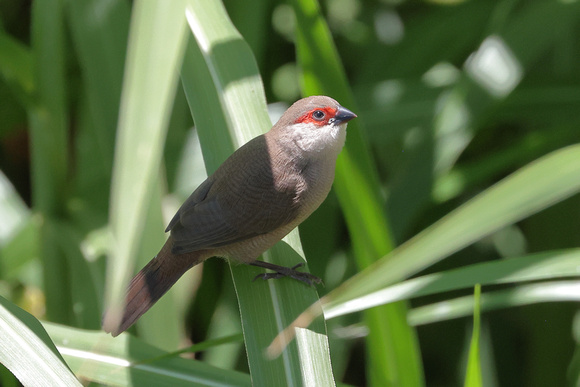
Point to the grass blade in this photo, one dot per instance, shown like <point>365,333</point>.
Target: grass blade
<point>49,144</point>
<point>16,67</point>
<point>27,351</point>
<point>529,190</point>
<point>473,375</point>
<point>224,91</point>
<point>101,46</point>
<point>156,44</point>
<point>541,266</point>
<point>127,361</point>
<point>392,347</point>
<point>554,291</point>
<point>316,370</point>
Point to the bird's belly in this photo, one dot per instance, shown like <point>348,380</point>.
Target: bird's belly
<point>250,249</point>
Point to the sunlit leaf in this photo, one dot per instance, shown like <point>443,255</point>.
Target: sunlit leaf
<point>473,374</point>
<point>226,97</point>
<point>127,361</point>
<point>527,191</point>
<point>27,351</point>
<point>156,44</point>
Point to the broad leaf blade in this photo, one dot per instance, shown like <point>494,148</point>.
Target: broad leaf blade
<point>224,91</point>
<point>156,44</point>
<point>127,361</point>
<point>473,374</point>
<point>392,346</point>
<point>534,267</point>
<point>27,351</point>
<point>553,291</point>
<point>529,190</point>
<point>316,370</point>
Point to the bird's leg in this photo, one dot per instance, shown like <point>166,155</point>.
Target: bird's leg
<point>282,271</point>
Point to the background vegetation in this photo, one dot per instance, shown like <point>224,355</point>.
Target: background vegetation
<point>97,104</point>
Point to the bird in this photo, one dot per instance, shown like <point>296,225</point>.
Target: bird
<point>256,197</point>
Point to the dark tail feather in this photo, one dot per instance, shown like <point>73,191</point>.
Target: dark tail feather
<point>152,282</point>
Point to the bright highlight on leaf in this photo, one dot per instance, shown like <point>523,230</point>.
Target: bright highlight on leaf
<point>544,182</point>
<point>228,106</point>
<point>28,352</point>
<point>473,374</point>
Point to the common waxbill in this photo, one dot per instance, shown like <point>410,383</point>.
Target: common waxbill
<point>257,196</point>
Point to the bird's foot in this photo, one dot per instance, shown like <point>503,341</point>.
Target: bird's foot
<point>282,271</point>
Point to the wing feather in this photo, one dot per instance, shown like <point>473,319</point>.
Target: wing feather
<point>234,204</point>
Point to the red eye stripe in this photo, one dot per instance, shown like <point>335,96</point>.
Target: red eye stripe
<point>309,119</point>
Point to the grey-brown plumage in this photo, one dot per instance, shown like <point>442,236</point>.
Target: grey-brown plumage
<point>257,196</point>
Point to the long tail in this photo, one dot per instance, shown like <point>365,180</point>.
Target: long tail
<point>152,282</point>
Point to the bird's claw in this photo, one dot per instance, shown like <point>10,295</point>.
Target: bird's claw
<point>307,278</point>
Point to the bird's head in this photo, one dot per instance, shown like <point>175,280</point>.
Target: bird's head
<point>315,125</point>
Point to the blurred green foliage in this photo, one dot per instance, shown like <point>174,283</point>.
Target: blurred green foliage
<point>452,96</point>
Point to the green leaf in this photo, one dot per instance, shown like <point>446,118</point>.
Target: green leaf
<point>16,67</point>
<point>155,52</point>
<point>554,291</point>
<point>204,345</point>
<point>315,365</point>
<point>226,97</point>
<point>529,190</point>
<point>49,144</point>
<point>473,374</point>
<point>392,347</point>
<point>127,361</point>
<point>84,291</point>
<point>27,351</point>
<point>534,267</point>
<point>100,44</point>
<point>13,211</point>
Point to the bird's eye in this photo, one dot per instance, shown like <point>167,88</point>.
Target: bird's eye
<point>318,115</point>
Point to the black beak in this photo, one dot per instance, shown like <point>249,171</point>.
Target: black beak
<point>343,115</point>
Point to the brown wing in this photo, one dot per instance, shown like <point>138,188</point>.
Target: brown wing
<point>238,202</point>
